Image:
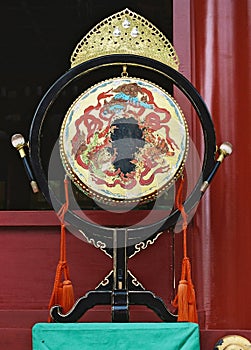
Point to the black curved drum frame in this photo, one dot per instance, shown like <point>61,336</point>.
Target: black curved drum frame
<point>119,289</point>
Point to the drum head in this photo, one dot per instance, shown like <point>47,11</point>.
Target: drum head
<point>124,140</point>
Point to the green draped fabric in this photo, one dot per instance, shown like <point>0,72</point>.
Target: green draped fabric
<point>117,336</point>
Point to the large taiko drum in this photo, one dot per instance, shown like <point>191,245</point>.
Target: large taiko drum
<point>124,140</point>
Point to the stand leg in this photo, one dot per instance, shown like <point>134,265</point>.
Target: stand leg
<point>83,304</point>
<point>154,303</point>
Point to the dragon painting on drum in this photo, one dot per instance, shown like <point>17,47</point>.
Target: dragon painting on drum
<point>124,139</point>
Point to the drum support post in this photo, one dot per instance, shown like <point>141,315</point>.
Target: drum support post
<point>120,309</point>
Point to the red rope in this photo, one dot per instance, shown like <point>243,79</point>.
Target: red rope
<point>185,299</point>
<point>179,205</point>
<point>62,293</point>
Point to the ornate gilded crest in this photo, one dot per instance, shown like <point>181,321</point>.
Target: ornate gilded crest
<point>125,32</point>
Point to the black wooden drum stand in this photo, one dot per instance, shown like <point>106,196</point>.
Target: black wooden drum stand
<point>119,289</point>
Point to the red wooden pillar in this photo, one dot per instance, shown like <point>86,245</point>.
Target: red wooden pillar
<point>213,41</point>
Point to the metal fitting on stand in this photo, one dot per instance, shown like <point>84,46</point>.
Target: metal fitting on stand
<point>225,150</point>
<point>19,143</point>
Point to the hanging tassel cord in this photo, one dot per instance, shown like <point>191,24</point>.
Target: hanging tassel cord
<point>185,300</point>
<point>61,215</point>
<point>62,293</point>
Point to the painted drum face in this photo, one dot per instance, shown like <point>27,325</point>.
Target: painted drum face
<point>124,140</point>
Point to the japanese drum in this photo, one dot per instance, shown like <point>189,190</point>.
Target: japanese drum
<point>124,140</point>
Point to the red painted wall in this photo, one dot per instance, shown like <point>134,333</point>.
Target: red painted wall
<point>213,41</point>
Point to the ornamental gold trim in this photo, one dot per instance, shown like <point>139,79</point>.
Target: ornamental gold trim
<point>143,245</point>
<point>125,32</point>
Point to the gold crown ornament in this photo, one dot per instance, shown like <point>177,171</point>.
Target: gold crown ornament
<point>125,32</point>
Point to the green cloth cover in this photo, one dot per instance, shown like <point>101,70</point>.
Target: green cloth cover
<point>117,336</point>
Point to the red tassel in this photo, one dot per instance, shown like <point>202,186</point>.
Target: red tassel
<point>67,300</point>
<point>181,301</point>
<point>192,309</point>
<point>185,299</point>
<point>62,293</point>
